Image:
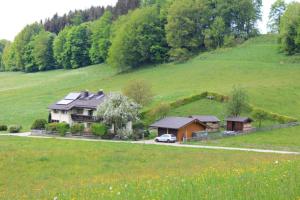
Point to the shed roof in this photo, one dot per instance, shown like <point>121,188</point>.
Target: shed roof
<point>206,118</point>
<point>239,119</point>
<point>174,122</point>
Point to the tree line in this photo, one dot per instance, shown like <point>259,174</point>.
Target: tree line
<point>289,29</point>
<point>132,34</point>
<point>77,17</point>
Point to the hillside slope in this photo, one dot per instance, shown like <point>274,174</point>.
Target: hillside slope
<point>271,79</point>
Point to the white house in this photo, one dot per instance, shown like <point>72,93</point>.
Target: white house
<point>78,108</point>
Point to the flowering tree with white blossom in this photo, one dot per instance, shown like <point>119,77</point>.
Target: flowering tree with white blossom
<point>118,110</point>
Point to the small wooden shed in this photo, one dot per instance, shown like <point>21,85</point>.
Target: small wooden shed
<point>181,127</point>
<point>212,122</point>
<point>239,124</point>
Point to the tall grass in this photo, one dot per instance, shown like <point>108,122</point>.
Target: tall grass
<point>49,168</point>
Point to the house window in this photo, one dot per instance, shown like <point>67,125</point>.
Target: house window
<point>79,111</point>
<point>91,112</point>
<point>55,111</point>
<point>64,112</point>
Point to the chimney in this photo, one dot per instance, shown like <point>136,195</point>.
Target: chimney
<point>85,93</point>
<point>100,92</point>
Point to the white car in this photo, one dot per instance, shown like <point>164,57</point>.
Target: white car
<point>166,138</point>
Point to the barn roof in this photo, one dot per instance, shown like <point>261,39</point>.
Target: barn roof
<point>206,118</point>
<point>174,122</point>
<point>239,119</point>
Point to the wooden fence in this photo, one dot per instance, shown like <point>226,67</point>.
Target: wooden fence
<point>219,135</point>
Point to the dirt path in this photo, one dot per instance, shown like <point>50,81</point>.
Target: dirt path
<point>151,142</point>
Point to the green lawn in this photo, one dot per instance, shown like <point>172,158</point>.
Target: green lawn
<point>48,168</point>
<point>281,139</point>
<point>271,79</point>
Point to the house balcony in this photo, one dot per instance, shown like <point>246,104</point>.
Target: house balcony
<point>84,118</point>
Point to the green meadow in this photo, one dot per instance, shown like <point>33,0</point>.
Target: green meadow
<point>59,169</point>
<point>49,168</point>
<point>271,79</point>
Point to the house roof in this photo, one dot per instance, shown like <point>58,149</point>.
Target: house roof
<point>239,119</point>
<point>174,122</point>
<point>205,118</point>
<point>79,100</point>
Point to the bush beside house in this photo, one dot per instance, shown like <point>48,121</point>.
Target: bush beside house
<point>63,128</point>
<point>39,124</point>
<point>99,129</point>
<point>60,128</point>
<point>77,129</point>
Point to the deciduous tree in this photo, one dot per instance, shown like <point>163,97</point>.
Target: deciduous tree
<point>139,90</point>
<point>290,29</point>
<point>118,110</point>
<point>100,39</point>
<point>238,102</point>
<point>277,10</point>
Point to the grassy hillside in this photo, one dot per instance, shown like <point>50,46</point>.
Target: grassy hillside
<point>48,168</point>
<point>271,79</point>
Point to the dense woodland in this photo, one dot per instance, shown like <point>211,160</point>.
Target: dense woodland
<point>138,32</point>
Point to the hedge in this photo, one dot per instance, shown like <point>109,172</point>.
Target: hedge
<point>77,129</point>
<point>274,116</point>
<point>15,128</point>
<point>219,98</point>
<point>99,129</point>
<point>3,127</point>
<point>61,128</point>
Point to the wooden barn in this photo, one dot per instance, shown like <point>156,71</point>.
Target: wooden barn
<point>239,124</point>
<point>181,127</point>
<point>212,122</point>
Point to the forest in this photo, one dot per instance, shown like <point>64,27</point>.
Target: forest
<point>135,33</point>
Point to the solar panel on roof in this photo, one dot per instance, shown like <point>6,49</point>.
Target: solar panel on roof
<point>64,102</point>
<point>72,96</point>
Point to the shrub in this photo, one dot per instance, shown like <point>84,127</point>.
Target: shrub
<point>77,128</point>
<point>99,129</point>
<point>15,128</point>
<point>179,55</point>
<point>52,127</point>
<point>152,135</point>
<point>259,115</point>
<point>39,124</point>
<point>63,128</point>
<point>139,131</point>
<point>229,41</point>
<point>3,127</point>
